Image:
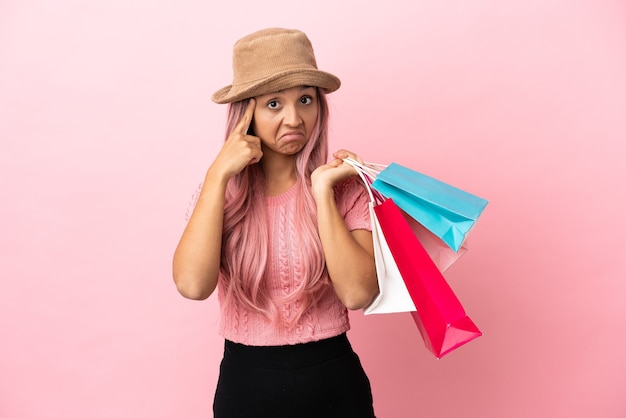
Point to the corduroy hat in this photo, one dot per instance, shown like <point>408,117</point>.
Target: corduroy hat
<point>271,60</point>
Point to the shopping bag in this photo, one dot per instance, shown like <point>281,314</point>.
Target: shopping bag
<point>393,295</point>
<point>442,255</point>
<point>448,212</point>
<point>440,317</point>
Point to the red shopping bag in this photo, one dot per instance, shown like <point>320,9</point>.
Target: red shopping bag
<point>440,317</point>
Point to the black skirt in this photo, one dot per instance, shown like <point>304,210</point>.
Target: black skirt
<point>317,379</point>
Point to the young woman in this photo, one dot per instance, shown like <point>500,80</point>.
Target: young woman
<point>285,237</point>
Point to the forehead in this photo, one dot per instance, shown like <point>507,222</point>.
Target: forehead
<point>293,90</point>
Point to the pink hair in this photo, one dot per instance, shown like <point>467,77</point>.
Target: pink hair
<point>245,232</point>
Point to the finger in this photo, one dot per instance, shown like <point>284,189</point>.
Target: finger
<point>336,162</point>
<point>342,153</point>
<point>256,158</point>
<point>246,119</point>
<point>254,141</point>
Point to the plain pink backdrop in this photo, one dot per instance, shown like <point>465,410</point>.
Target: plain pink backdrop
<point>106,128</point>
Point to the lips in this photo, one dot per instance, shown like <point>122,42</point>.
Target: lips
<point>292,136</point>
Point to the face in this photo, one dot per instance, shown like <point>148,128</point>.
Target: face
<point>284,120</point>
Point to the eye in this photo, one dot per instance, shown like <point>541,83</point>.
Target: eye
<point>272,104</point>
<point>306,100</point>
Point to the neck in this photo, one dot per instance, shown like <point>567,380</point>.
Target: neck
<point>280,174</point>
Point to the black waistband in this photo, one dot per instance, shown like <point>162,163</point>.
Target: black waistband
<point>287,356</point>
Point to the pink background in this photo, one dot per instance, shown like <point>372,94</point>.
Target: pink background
<point>106,128</point>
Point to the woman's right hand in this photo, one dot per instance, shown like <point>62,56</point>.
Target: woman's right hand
<point>240,149</point>
<point>197,257</point>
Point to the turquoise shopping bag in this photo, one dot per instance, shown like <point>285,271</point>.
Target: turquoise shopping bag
<point>448,212</point>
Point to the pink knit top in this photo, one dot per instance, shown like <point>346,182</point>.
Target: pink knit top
<point>241,324</point>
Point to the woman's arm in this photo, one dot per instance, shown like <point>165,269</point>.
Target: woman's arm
<point>196,261</point>
<point>197,256</point>
<point>349,254</point>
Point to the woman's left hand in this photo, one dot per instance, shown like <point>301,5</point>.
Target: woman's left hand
<point>326,176</point>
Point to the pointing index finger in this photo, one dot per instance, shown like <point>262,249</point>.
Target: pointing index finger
<point>246,119</point>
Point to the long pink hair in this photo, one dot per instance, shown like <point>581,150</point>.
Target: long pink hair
<point>245,233</point>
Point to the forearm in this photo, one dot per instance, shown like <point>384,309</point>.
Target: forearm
<point>349,256</point>
<point>197,257</point>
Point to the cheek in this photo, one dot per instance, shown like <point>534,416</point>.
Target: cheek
<point>310,119</point>
<point>311,125</point>
<point>265,128</point>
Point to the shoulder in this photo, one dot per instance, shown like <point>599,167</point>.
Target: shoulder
<point>352,199</point>
<point>350,188</point>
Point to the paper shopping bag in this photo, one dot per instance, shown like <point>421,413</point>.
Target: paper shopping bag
<point>442,255</point>
<point>440,317</point>
<point>448,212</point>
<point>393,295</point>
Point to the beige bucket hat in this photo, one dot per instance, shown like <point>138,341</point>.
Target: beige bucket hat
<point>271,60</point>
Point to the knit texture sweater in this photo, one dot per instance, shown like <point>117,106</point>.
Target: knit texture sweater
<point>242,324</point>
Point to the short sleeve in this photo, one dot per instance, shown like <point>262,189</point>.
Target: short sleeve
<point>353,204</point>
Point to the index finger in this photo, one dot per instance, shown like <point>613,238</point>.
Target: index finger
<point>246,119</point>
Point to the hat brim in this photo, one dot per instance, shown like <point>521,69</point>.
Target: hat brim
<point>277,82</point>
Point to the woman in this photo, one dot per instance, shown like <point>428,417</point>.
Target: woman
<point>285,237</point>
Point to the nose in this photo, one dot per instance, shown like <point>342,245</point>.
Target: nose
<point>292,116</point>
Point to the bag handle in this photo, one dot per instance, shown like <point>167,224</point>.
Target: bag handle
<point>368,173</point>
<point>371,170</point>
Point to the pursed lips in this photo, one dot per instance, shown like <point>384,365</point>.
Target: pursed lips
<point>292,136</point>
